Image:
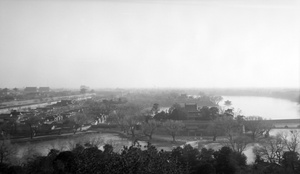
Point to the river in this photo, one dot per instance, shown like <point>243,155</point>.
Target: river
<point>266,107</point>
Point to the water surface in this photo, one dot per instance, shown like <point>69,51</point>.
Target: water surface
<point>266,107</point>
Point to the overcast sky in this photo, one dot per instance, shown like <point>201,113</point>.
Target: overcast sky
<point>160,43</point>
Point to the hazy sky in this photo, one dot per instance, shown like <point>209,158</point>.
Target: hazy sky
<point>160,43</point>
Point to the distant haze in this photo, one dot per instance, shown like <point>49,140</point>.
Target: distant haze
<point>160,43</point>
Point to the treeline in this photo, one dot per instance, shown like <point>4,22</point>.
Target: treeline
<point>87,158</point>
<point>177,112</point>
<point>167,98</point>
<point>136,121</point>
<point>161,94</point>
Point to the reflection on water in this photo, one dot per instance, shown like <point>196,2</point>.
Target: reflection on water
<point>26,150</point>
<point>68,143</point>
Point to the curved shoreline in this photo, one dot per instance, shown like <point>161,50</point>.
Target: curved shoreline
<point>38,139</point>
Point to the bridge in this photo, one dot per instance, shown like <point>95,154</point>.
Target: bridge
<point>285,123</point>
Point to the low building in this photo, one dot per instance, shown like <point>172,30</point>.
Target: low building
<point>195,127</point>
<point>44,89</point>
<point>29,90</point>
<point>192,111</point>
<point>5,91</point>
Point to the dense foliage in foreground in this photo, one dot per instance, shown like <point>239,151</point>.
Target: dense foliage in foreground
<point>89,159</point>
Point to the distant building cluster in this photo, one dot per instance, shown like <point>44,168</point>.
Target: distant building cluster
<point>27,93</point>
<point>53,118</point>
<point>36,89</point>
<point>27,90</point>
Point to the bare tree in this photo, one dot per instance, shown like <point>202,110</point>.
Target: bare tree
<point>33,123</point>
<point>215,128</point>
<point>216,99</point>
<point>30,153</point>
<point>6,149</point>
<point>239,143</point>
<point>291,140</point>
<point>257,126</point>
<point>225,125</point>
<point>230,127</point>
<point>271,149</point>
<point>173,127</point>
<point>127,116</point>
<point>131,122</point>
<point>78,120</point>
<point>150,127</point>
<point>117,118</point>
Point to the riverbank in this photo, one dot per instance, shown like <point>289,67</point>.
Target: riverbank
<point>164,142</point>
<point>119,139</point>
<point>38,139</point>
<point>48,137</point>
<point>159,140</point>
